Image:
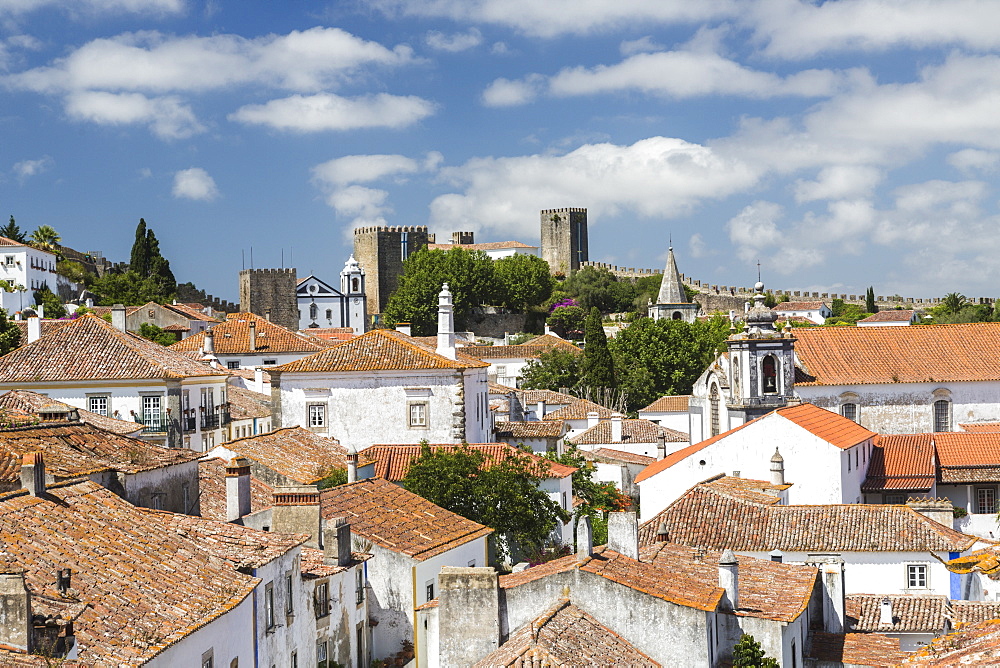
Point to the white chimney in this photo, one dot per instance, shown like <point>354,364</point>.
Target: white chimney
<point>237,489</point>
<point>616,428</point>
<point>33,473</point>
<point>777,468</point>
<point>446,324</point>
<point>885,612</point>
<point>404,328</point>
<point>729,579</point>
<point>40,310</point>
<point>661,447</point>
<point>253,335</point>
<point>118,317</point>
<point>89,303</point>
<point>584,538</point>
<point>623,534</point>
<point>258,378</point>
<point>208,347</point>
<point>352,463</point>
<point>34,328</point>
<point>592,419</point>
<point>540,409</point>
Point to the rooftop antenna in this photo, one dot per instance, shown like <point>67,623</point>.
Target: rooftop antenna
<point>758,271</point>
<point>243,258</point>
<point>282,258</point>
<point>670,240</point>
<point>251,257</point>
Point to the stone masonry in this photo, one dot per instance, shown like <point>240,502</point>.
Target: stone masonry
<point>381,251</point>
<point>564,239</point>
<point>270,293</point>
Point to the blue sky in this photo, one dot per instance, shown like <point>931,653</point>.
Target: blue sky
<point>843,144</point>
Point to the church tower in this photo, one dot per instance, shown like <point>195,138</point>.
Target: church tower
<point>352,286</point>
<point>761,365</point>
<point>672,303</point>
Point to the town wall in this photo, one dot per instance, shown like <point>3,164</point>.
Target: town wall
<point>564,239</point>
<point>270,293</point>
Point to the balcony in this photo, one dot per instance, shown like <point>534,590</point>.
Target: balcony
<point>154,425</point>
<point>209,420</point>
<point>189,423</point>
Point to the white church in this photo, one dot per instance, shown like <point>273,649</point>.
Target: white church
<point>323,306</point>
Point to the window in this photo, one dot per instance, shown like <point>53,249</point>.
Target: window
<point>429,588</point>
<point>317,416</point>
<point>322,599</point>
<point>151,410</point>
<point>321,654</point>
<point>208,659</point>
<point>98,405</point>
<point>359,586</point>
<point>9,260</point>
<point>713,409</point>
<point>360,643</point>
<point>849,411</point>
<point>895,499</point>
<point>269,622</point>
<point>565,505</point>
<point>270,362</point>
<point>233,365</point>
<point>916,576</point>
<point>329,314</point>
<point>769,376</point>
<point>289,609</point>
<point>355,285</point>
<point>986,500</point>
<point>418,415</point>
<point>313,311</point>
<point>942,415</point>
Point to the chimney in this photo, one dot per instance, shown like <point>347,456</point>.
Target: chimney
<point>34,328</point>
<point>253,335</point>
<point>404,328</point>
<point>237,489</point>
<point>40,310</point>
<point>337,542</point>
<point>661,533</point>
<point>118,317</point>
<point>584,538</point>
<point>939,510</point>
<point>64,580</point>
<point>208,347</point>
<point>267,314</point>
<point>623,534</point>
<point>296,510</point>
<point>33,473</point>
<point>468,614</point>
<point>616,427</point>
<point>258,378</point>
<point>446,324</point>
<point>831,577</point>
<point>592,419</point>
<point>729,579</point>
<point>540,409</point>
<point>15,611</point>
<point>352,463</point>
<point>89,303</point>
<point>661,447</point>
<point>777,468</point>
<point>885,612</point>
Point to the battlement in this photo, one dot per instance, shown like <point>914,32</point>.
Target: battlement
<point>267,272</point>
<point>390,228</point>
<point>565,210</point>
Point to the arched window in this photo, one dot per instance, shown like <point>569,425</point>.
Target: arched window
<point>736,378</point>
<point>942,415</point>
<point>676,315</point>
<point>769,375</point>
<point>355,285</point>
<point>329,314</point>
<point>713,409</point>
<point>849,411</point>
<point>313,312</point>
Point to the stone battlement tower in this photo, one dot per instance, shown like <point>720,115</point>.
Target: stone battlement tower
<point>270,293</point>
<point>381,251</point>
<point>564,239</point>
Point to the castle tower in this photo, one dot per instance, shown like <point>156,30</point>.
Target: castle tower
<point>381,251</point>
<point>352,286</point>
<point>270,293</point>
<point>672,303</point>
<point>564,239</point>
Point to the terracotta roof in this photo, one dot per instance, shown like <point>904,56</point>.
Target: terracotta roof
<point>397,520</point>
<point>48,326</point>
<point>331,333</point>
<point>497,388</point>
<point>89,348</point>
<point>378,350</point>
<point>392,462</point>
<point>249,374</point>
<point>565,635</point>
<point>6,241</point>
<point>910,614</point>
<point>212,490</point>
<point>962,457</point>
<point>31,403</point>
<point>981,427</point>
<point>633,431</point>
<point>578,411</point>
<point>798,306</point>
<point>973,612</point>
<point>827,425</point>
<point>551,341</point>
<point>534,429</point>
<point>504,352</point>
<point>74,449</point>
<point>190,312</point>
<point>746,489</point>
<point>974,645</point>
<point>915,354</point>
<point>616,456</point>
<point>530,397</point>
<point>232,337</point>
<point>314,563</point>
<point>892,315</point>
<point>145,585</point>
<point>708,517</point>
<point>668,404</point>
<point>900,462</point>
<point>294,452</point>
<point>855,649</point>
<point>245,404</point>
<point>489,245</point>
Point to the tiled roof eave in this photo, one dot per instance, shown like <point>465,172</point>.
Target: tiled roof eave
<point>889,381</point>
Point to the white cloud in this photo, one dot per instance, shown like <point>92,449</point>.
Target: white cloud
<point>167,117</point>
<point>195,183</point>
<point>90,7</point>
<point>970,159</point>
<point>509,93</point>
<point>326,111</point>
<point>499,48</point>
<point>25,169</point>
<point>839,182</point>
<point>641,45</point>
<point>454,43</point>
<point>359,201</point>
<point>363,168</point>
<point>754,229</point>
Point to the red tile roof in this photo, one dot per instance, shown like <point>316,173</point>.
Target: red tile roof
<point>397,520</point>
<point>294,452</point>
<point>245,404</point>
<point>973,645</point>
<point>31,403</point>
<point>915,354</point>
<point>633,431</point>
<point>331,333</point>
<point>962,458</point>
<point>90,348</point>
<point>534,429</point>
<point>392,462</point>
<point>900,462</point>
<point>48,326</point>
<point>489,245</point>
<point>531,397</point>
<point>551,341</point>
<point>212,490</point>
<point>892,315</point>
<point>747,489</point>
<point>910,614</point>
<point>378,350</point>
<point>607,454</point>
<point>668,404</point>
<point>798,306</point>
<point>973,612</point>
<point>981,427</point>
<point>578,410</point>
<point>855,649</point>
<point>232,337</point>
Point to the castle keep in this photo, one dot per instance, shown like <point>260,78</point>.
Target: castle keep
<point>381,251</point>
<point>564,239</point>
<point>270,293</point>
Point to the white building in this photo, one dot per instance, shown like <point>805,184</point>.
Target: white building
<point>637,436</point>
<point>670,412</point>
<point>25,269</point>
<point>387,387</point>
<point>323,306</point>
<point>493,249</point>
<point>891,318</point>
<point>507,363</point>
<point>816,312</point>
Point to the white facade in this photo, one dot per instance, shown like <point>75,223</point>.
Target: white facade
<point>818,314</point>
<point>676,420</point>
<point>30,268</point>
<point>225,639</point>
<point>321,305</point>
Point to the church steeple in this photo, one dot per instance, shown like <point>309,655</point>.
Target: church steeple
<point>672,288</point>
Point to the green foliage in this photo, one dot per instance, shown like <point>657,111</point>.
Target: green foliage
<point>128,288</point>
<point>747,653</point>
<point>870,300</point>
<point>523,281</point>
<point>518,339</point>
<point>470,277</point>
<point>53,305</point>
<point>593,287</point>
<point>139,259</point>
<point>769,300</point>
<point>74,271</point>
<point>146,261</point>
<point>953,303</point>
<point>156,334</point>
<point>45,237</point>
<point>10,335</point>
<point>503,495</point>
<point>12,231</point>
<point>552,370</point>
<point>333,478</point>
<point>567,321</point>
<point>783,297</point>
<point>597,368</point>
<point>658,357</point>
<point>845,314</point>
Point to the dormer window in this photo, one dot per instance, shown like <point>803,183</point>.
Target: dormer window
<point>769,375</point>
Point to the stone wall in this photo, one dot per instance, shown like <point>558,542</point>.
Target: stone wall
<point>270,293</point>
<point>564,239</point>
<point>380,251</point>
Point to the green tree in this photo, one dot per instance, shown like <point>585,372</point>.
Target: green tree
<point>333,478</point>
<point>523,281</point>
<point>597,368</point>
<point>10,335</point>
<point>159,267</point>
<point>953,303</point>
<point>593,287</point>
<point>747,653</point>
<point>139,259</point>
<point>552,370</point>
<point>658,357</point>
<point>769,300</point>
<point>45,237</point>
<point>503,495</point>
<point>567,321</point>
<point>870,305</point>
<point>598,497</point>
<point>127,288</point>
<point>12,231</point>
<point>470,277</point>
<point>53,305</point>
<point>155,333</point>
<point>74,271</point>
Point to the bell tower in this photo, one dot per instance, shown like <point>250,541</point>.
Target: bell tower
<point>352,286</point>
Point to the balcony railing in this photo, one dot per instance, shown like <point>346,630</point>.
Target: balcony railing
<point>154,425</point>
<point>189,423</point>
<point>209,420</point>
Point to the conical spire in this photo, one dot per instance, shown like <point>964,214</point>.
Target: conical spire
<point>671,289</point>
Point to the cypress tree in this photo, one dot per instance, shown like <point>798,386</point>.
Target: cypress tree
<point>139,260</point>
<point>159,266</point>
<point>870,306</point>
<point>597,369</point>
